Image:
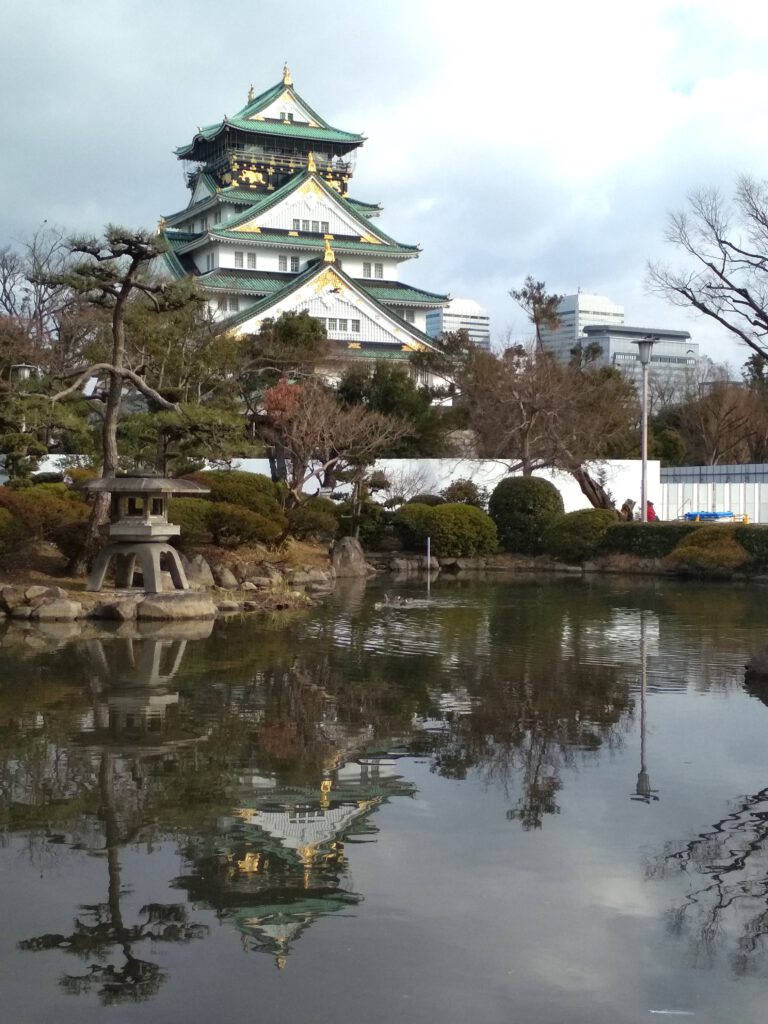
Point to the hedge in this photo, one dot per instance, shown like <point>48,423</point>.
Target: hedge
<point>412,524</point>
<point>646,540</point>
<point>42,512</point>
<point>522,507</point>
<point>713,550</point>
<point>193,516</point>
<point>236,487</point>
<point>754,539</point>
<point>233,526</point>
<point>315,517</point>
<point>462,530</point>
<point>12,532</point>
<point>372,520</point>
<point>576,536</point>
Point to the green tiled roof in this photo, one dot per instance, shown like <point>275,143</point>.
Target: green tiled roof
<point>286,241</point>
<point>256,282</point>
<point>173,263</point>
<point>400,294</point>
<point>300,279</point>
<point>178,239</point>
<point>289,129</point>
<point>243,120</point>
<point>296,182</point>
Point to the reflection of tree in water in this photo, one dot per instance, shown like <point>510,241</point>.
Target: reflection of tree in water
<point>101,929</point>
<point>726,905</point>
<point>536,702</point>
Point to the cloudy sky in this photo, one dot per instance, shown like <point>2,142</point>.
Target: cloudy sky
<point>507,139</point>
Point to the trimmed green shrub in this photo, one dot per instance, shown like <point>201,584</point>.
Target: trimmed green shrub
<point>522,507</point>
<point>233,526</point>
<point>412,524</point>
<point>462,530</point>
<point>646,540</point>
<point>372,519</point>
<point>713,550</point>
<point>236,487</point>
<point>754,539</point>
<point>193,516</point>
<point>576,536</point>
<point>315,517</point>
<point>426,499</point>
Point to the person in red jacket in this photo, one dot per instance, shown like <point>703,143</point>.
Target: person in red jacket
<point>650,512</point>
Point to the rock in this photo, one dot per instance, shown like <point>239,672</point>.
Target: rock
<point>227,607</point>
<point>21,611</point>
<point>180,605</point>
<point>58,609</point>
<point>301,579</point>
<point>260,582</point>
<point>247,585</point>
<point>348,559</point>
<point>11,597</point>
<point>120,611</point>
<point>198,572</point>
<point>224,577</point>
<point>44,595</point>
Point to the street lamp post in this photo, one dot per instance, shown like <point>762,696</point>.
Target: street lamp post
<point>644,346</point>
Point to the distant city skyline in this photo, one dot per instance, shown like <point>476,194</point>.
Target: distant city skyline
<point>570,181</point>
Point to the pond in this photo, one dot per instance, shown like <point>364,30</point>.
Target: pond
<point>533,800</point>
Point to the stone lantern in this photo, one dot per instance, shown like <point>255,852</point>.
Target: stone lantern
<point>139,530</point>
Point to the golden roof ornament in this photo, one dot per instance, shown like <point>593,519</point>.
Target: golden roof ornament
<point>311,165</point>
<point>251,94</point>
<point>287,80</point>
<point>329,256</point>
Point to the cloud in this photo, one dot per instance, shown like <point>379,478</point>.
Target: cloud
<point>549,139</point>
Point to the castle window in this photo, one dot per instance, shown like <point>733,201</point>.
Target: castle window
<point>296,224</point>
<point>315,225</point>
<point>331,323</point>
<point>294,264</point>
<point>251,260</point>
<point>222,304</point>
<point>366,270</point>
<point>324,226</point>
<point>238,259</point>
<point>355,326</point>
<point>286,116</point>
<point>342,325</point>
<point>409,315</point>
<point>378,270</point>
<point>282,264</point>
<point>305,225</point>
<point>234,304</point>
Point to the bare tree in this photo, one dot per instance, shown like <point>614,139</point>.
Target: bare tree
<point>726,274</point>
<point>318,435</point>
<point>527,407</point>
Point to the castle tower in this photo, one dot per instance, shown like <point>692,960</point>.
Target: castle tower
<point>270,228</point>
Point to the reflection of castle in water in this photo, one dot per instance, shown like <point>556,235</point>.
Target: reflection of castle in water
<point>278,862</point>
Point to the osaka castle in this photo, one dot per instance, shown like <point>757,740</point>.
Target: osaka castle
<point>270,227</point>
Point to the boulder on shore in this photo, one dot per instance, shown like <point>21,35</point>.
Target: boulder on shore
<point>348,558</point>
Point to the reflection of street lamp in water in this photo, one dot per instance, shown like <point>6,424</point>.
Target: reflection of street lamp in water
<point>643,789</point>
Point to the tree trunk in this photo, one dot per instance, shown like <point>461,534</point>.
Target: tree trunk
<point>593,489</point>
